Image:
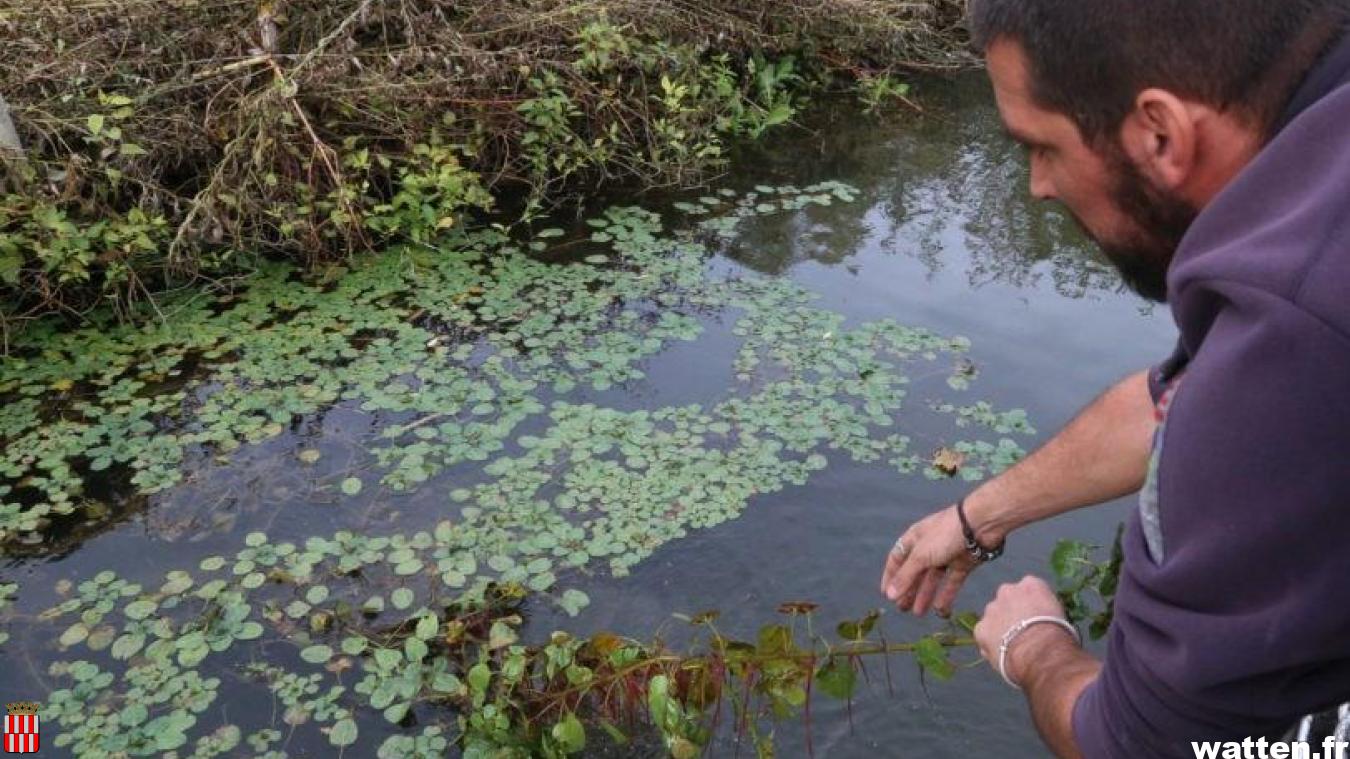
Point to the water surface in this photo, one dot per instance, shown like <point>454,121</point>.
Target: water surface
<point>942,237</point>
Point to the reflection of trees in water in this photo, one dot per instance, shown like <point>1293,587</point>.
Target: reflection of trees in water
<point>945,181</point>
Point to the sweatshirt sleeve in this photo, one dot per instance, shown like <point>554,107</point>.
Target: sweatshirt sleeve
<point>1243,623</point>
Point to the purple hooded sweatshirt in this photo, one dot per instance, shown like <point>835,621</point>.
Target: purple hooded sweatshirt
<point>1233,611</point>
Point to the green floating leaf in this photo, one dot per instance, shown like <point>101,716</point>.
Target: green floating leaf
<point>353,645</point>
<point>480,675</point>
<point>192,649</point>
<point>501,635</point>
<point>396,712</point>
<point>549,233</point>
<point>140,609</point>
<point>351,486</point>
<point>387,658</point>
<point>343,732</point>
<point>101,637</point>
<point>415,649</point>
<point>445,682</point>
<point>427,627</point>
<point>573,601</point>
<point>401,598</point>
<point>317,654</point>
<point>73,635</point>
<point>127,646</point>
<point>596,259</point>
<point>178,582</point>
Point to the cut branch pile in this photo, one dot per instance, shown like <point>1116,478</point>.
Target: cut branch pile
<point>169,140</point>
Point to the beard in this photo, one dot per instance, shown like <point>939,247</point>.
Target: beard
<point>1158,220</point>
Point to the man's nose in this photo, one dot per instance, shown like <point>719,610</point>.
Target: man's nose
<point>1041,186</point>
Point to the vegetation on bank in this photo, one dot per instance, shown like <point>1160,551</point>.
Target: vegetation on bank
<point>168,142</point>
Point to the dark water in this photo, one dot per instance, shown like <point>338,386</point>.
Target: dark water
<point>943,237</point>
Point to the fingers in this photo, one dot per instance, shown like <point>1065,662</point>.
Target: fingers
<point>931,569</point>
<point>956,577</point>
<point>893,561</point>
<point>905,585</point>
<point>928,587</point>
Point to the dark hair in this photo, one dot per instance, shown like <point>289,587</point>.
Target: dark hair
<point>1089,59</point>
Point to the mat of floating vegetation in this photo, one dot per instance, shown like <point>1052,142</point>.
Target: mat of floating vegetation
<point>472,363</point>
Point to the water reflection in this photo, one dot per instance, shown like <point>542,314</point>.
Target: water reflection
<point>923,177</point>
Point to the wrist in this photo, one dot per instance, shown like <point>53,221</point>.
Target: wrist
<point>989,517</point>
<point>1036,644</point>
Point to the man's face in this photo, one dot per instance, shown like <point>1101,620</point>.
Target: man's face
<point>1137,226</point>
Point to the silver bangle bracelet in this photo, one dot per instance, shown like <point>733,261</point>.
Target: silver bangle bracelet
<point>1021,627</point>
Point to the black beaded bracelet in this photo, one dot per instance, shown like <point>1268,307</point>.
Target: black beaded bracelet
<point>978,552</point>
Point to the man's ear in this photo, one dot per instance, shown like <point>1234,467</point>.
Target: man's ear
<point>1160,136</point>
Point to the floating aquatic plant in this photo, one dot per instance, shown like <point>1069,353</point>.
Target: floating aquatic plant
<point>469,361</point>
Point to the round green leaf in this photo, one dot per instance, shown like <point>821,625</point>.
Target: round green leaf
<point>73,635</point>
<point>427,627</point>
<point>343,732</point>
<point>317,654</point>
<point>140,608</point>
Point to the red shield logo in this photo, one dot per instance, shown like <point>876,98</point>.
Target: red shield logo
<point>21,728</point>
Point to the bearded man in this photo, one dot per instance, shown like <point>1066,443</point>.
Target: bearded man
<point>1205,146</point>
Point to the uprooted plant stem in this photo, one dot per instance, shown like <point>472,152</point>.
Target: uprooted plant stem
<point>170,142</point>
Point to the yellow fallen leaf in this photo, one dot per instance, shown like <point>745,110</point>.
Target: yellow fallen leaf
<point>948,461</point>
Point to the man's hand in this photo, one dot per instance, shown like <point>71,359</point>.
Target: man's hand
<point>928,566</point>
<point>1044,661</point>
<point>1032,597</point>
<point>1102,454</point>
